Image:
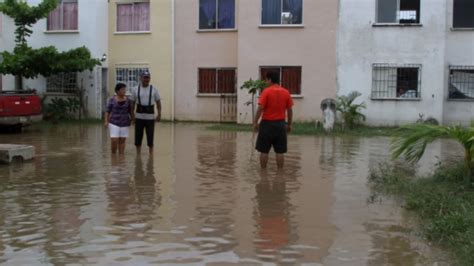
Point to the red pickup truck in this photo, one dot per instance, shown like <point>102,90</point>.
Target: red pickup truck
<point>19,108</point>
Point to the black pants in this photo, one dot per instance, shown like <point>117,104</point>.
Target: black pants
<point>272,134</point>
<point>144,125</point>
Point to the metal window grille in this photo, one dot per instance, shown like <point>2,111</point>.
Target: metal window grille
<point>62,83</point>
<point>461,82</point>
<point>129,75</point>
<point>396,81</point>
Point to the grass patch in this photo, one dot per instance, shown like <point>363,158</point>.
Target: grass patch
<point>308,128</point>
<point>444,204</point>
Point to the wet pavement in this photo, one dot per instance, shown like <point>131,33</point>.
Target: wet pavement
<point>202,199</point>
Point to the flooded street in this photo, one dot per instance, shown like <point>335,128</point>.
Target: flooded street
<point>202,199</point>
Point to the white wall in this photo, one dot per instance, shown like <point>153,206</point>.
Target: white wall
<point>459,52</point>
<point>92,33</point>
<point>360,45</point>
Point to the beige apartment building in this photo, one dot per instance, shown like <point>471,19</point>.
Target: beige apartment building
<point>219,44</point>
<point>140,38</point>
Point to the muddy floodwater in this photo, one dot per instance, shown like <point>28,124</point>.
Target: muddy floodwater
<point>201,199</point>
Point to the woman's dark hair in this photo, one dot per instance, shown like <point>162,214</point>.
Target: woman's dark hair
<point>274,77</point>
<point>119,86</point>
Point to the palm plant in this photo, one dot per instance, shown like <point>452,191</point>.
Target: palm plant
<point>411,142</point>
<point>253,86</point>
<point>350,111</point>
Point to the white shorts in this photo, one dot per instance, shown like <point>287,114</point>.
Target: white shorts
<point>118,132</point>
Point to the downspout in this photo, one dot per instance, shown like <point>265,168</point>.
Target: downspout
<point>172,58</point>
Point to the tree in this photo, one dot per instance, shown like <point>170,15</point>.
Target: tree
<point>26,62</point>
<point>253,86</point>
<point>411,141</point>
<point>350,112</point>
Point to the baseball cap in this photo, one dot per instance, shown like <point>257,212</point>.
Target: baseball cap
<point>145,73</point>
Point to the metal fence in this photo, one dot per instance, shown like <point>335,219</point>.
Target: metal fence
<point>461,82</point>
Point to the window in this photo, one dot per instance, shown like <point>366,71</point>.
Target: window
<point>282,11</point>
<point>133,17</point>
<point>463,14</point>
<point>62,83</point>
<point>129,75</point>
<point>64,17</point>
<point>396,81</point>
<point>290,77</point>
<point>461,82</point>
<point>398,11</point>
<point>216,14</point>
<point>216,80</point>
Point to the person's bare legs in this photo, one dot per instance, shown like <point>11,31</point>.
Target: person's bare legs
<point>121,145</point>
<point>114,144</point>
<point>139,148</point>
<point>280,159</point>
<point>150,148</point>
<point>263,160</point>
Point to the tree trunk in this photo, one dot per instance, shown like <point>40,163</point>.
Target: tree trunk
<point>18,82</point>
<point>253,108</point>
<point>468,165</point>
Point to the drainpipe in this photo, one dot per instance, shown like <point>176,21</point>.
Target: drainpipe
<point>172,57</point>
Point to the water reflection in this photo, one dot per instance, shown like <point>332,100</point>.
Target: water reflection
<point>200,199</point>
<point>272,215</point>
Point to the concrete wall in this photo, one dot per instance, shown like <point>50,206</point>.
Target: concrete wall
<point>153,49</point>
<point>92,33</point>
<point>313,47</point>
<point>195,49</point>
<point>434,45</point>
<point>459,52</point>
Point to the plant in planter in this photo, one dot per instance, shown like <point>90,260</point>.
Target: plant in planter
<point>254,86</point>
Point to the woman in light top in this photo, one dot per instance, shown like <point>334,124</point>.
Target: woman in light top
<point>118,118</point>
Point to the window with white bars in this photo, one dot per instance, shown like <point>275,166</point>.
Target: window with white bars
<point>129,75</point>
<point>62,83</point>
<point>396,81</point>
<point>461,82</point>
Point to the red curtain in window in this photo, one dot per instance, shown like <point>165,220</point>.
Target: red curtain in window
<point>207,80</point>
<point>141,16</point>
<point>124,17</point>
<point>54,19</point>
<point>70,16</point>
<point>226,81</point>
<point>291,79</point>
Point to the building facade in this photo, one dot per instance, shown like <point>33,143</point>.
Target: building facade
<point>68,26</point>
<point>219,44</point>
<point>140,38</point>
<point>409,59</point>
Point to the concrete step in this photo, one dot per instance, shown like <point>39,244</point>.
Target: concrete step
<point>13,152</point>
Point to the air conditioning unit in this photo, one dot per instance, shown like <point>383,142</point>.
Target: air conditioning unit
<point>286,18</point>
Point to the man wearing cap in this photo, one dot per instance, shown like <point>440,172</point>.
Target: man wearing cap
<point>145,96</point>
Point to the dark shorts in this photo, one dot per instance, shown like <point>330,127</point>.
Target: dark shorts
<point>271,134</point>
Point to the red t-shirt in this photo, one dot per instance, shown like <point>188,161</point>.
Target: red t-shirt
<point>274,101</point>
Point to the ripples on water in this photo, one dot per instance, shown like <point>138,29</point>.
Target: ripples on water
<point>200,199</point>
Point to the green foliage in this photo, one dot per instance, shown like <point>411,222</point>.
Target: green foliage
<point>62,109</point>
<point>445,206</point>
<point>27,62</point>
<point>25,15</point>
<point>411,141</point>
<point>45,61</point>
<point>252,86</point>
<point>350,111</point>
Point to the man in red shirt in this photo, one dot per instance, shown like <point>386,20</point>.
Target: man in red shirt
<point>272,131</point>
